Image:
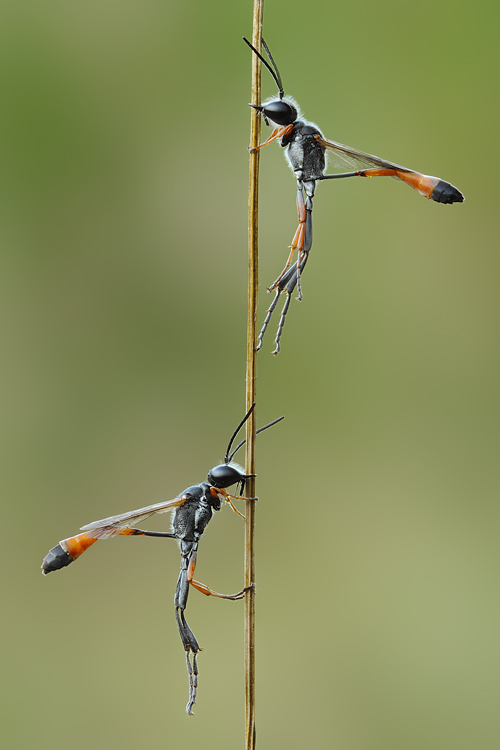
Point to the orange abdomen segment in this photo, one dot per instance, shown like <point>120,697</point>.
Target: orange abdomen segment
<point>421,182</point>
<point>65,552</point>
<point>432,187</point>
<point>76,545</point>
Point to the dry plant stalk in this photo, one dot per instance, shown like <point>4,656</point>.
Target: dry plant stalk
<point>253,279</point>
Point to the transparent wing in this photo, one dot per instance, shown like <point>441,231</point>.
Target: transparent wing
<point>338,160</point>
<point>346,156</point>
<point>114,524</point>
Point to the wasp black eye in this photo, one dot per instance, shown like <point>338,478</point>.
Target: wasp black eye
<point>280,112</point>
<point>224,476</point>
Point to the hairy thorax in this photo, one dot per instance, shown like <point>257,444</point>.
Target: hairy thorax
<point>304,154</point>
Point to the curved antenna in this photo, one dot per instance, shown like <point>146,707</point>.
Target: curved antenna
<point>275,73</point>
<point>279,81</point>
<point>261,429</point>
<point>227,459</point>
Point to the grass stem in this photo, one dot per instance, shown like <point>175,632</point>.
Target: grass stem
<point>251,378</point>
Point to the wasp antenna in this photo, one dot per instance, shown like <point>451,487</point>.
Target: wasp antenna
<point>277,77</point>
<point>275,73</point>
<point>228,457</point>
<point>261,429</point>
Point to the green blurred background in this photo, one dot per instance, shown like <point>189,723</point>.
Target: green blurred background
<point>124,179</point>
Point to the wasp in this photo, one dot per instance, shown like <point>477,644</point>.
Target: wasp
<point>307,151</point>
<point>192,511</point>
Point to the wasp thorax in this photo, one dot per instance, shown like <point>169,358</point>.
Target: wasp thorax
<point>224,476</point>
<point>280,112</point>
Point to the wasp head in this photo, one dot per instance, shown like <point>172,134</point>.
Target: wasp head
<point>225,475</point>
<point>280,111</point>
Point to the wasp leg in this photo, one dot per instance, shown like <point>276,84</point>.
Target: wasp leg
<point>209,592</point>
<point>142,532</point>
<point>188,638</point>
<point>290,277</point>
<point>298,238</point>
<point>188,564</point>
<point>281,324</point>
<point>191,647</point>
<point>286,286</point>
<point>289,282</point>
<point>304,250</point>
<point>193,682</point>
<point>302,240</point>
<point>204,589</point>
<point>277,133</point>
<point>225,496</point>
<point>269,312</point>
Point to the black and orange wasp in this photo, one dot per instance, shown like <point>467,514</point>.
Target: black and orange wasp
<point>192,511</point>
<point>307,152</point>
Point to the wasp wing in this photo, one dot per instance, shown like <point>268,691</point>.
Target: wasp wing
<point>113,525</point>
<point>431,187</point>
<point>355,158</point>
<point>70,549</point>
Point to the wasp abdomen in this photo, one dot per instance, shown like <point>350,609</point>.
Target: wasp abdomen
<point>55,559</point>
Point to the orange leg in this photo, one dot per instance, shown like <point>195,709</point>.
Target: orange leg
<point>302,240</point>
<point>225,496</point>
<point>298,239</point>
<point>206,589</point>
<point>297,242</point>
<point>277,133</point>
<point>233,507</point>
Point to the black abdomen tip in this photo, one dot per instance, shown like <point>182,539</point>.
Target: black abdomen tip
<point>56,559</point>
<point>444,192</point>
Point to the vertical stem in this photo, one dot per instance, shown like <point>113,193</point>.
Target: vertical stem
<point>253,283</point>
